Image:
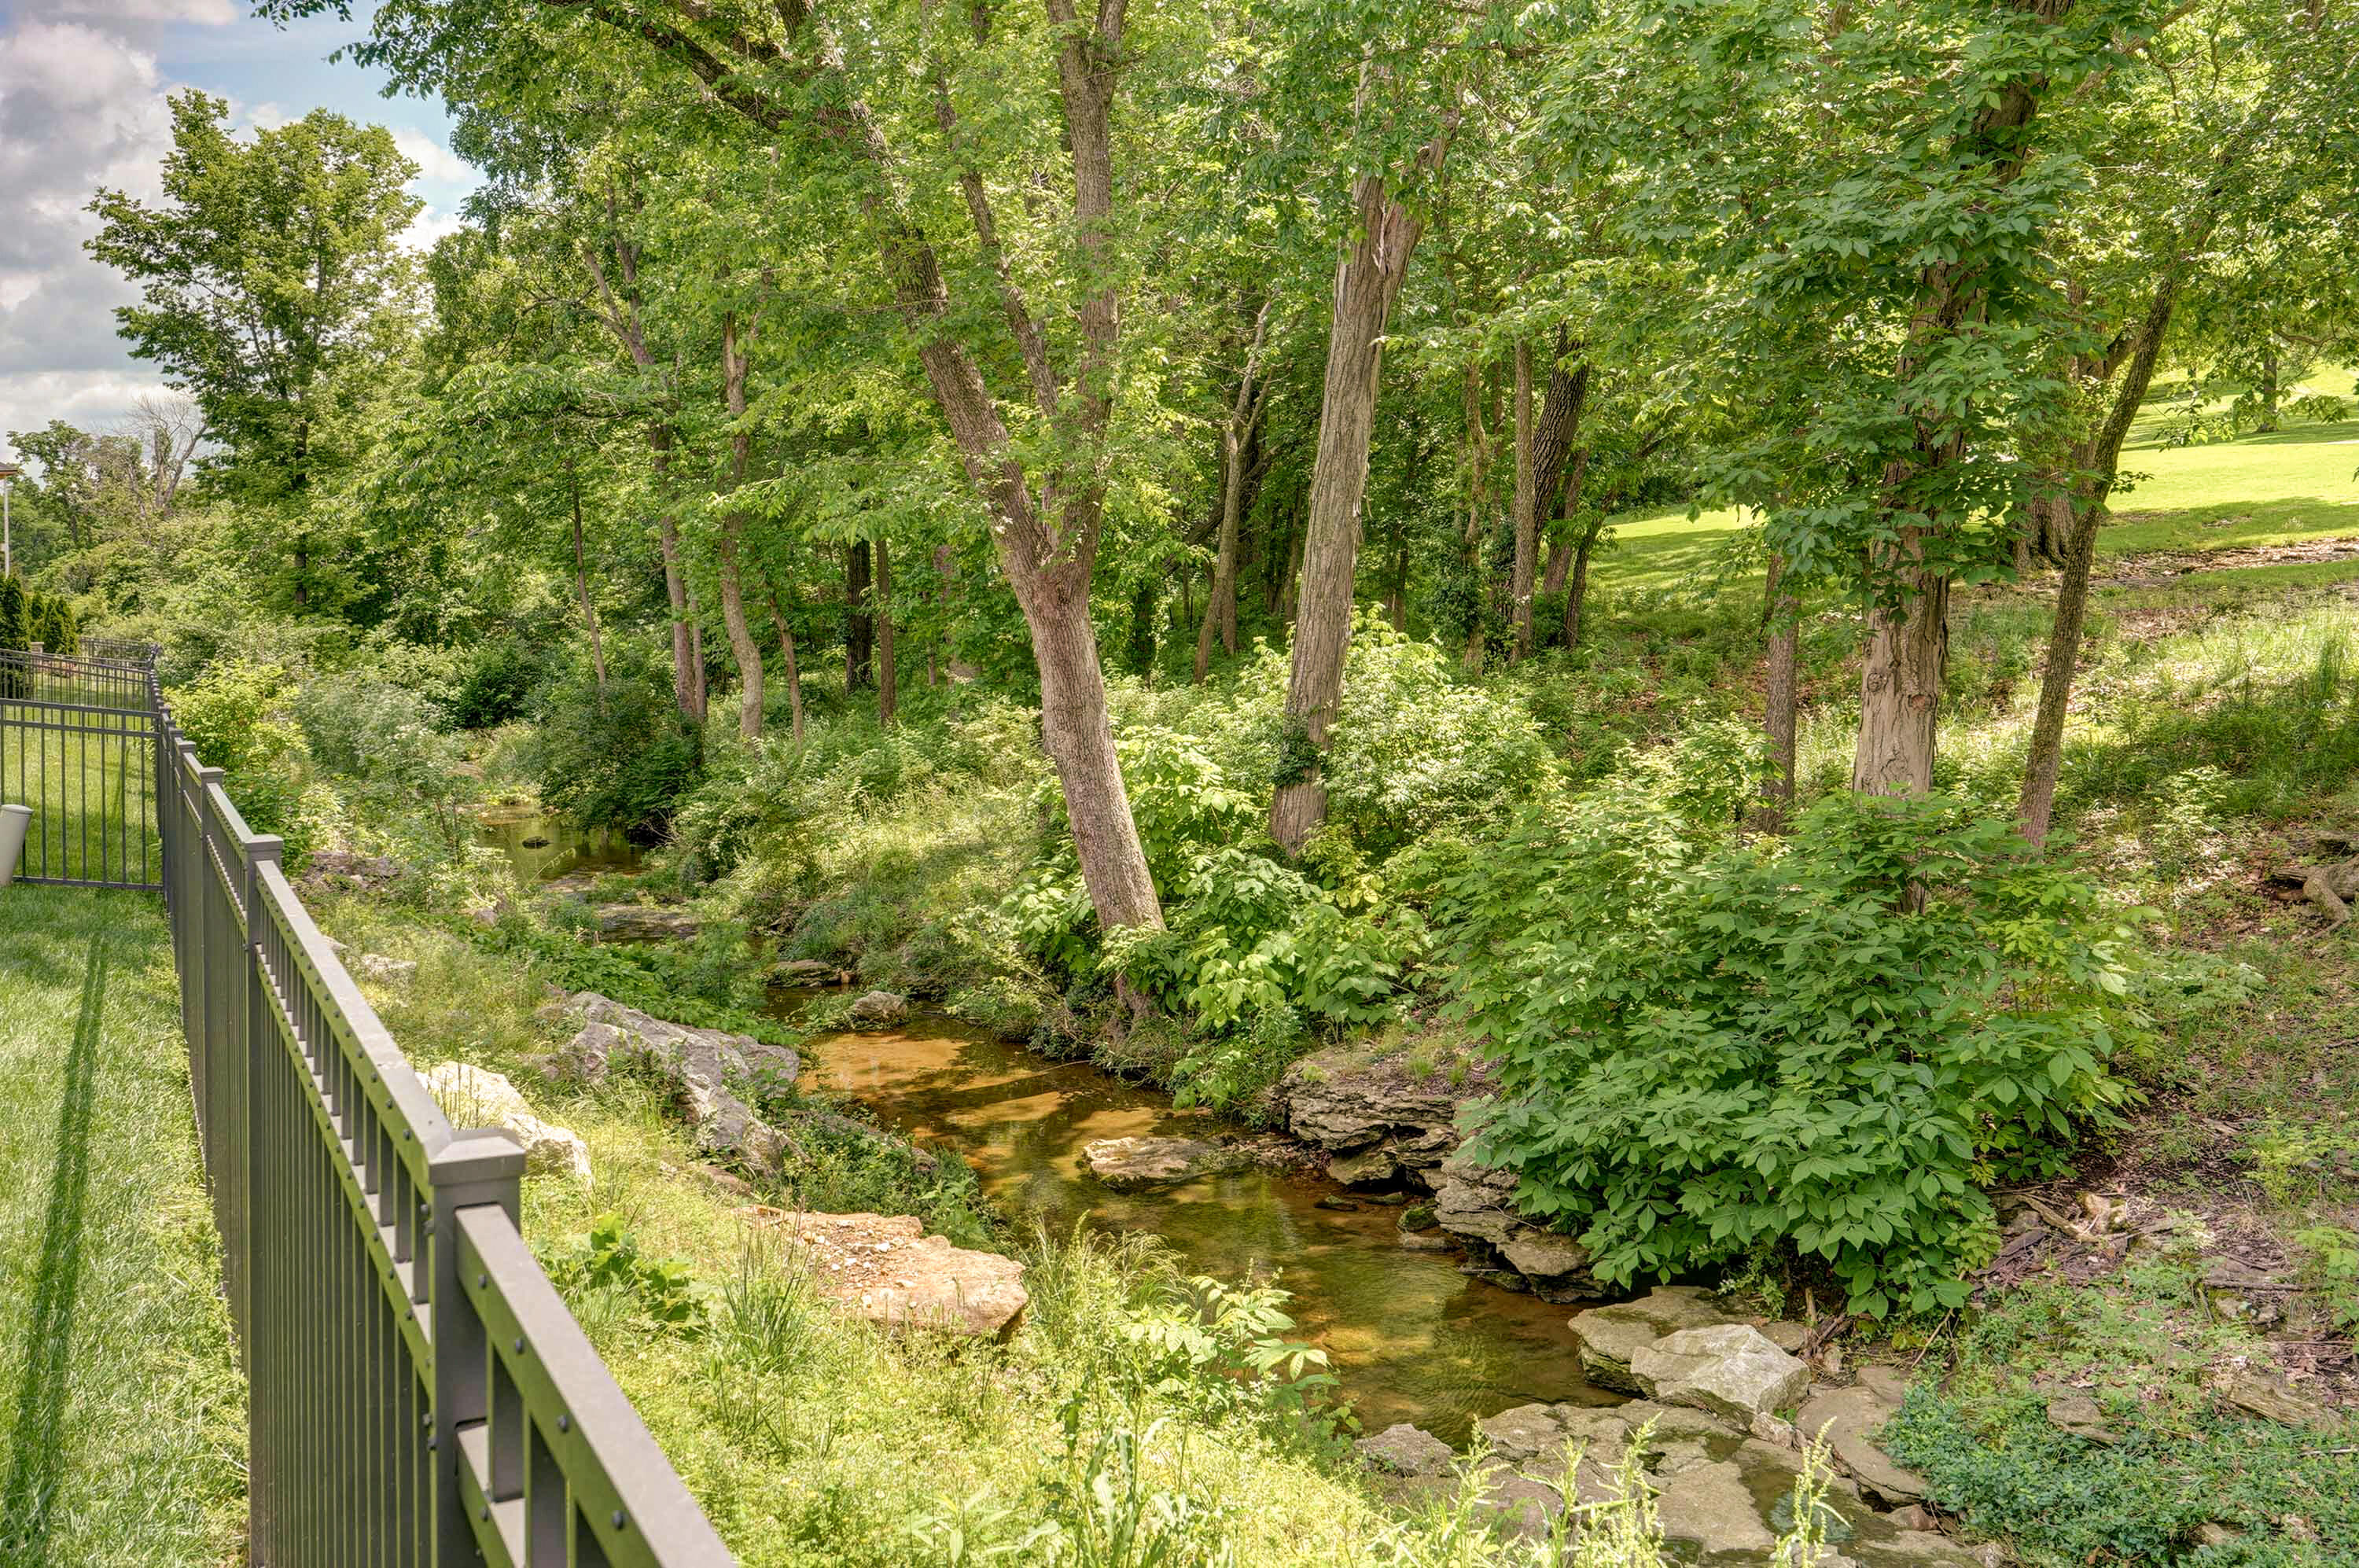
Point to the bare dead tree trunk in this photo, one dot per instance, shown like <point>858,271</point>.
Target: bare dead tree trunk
<point>1367,280</point>
<point>733,366</point>
<point>888,679</point>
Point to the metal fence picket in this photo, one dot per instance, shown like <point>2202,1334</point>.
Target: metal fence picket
<point>417,1394</point>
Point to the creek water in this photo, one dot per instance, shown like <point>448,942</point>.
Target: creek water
<point>542,845</point>
<point>1411,1338</point>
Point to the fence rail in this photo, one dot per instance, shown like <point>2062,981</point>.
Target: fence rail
<point>417,1394</point>
<point>78,744</point>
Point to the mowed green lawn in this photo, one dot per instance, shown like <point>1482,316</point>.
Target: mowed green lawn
<point>121,1414</point>
<point>2298,483</point>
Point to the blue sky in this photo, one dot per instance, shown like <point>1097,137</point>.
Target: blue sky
<point>83,91</point>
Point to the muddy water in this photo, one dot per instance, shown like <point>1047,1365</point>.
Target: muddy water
<point>541,844</point>
<point>1412,1338</point>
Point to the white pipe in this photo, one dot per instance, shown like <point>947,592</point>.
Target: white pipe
<point>15,822</point>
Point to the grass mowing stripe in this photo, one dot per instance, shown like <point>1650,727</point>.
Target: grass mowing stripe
<point>122,1416</point>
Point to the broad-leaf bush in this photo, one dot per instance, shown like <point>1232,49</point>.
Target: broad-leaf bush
<point>618,758</point>
<point>1704,1046</point>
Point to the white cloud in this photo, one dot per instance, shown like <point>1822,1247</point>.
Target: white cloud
<point>434,160</point>
<point>429,226</point>
<point>206,13</point>
<point>95,399</point>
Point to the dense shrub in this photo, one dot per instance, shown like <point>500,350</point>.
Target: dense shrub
<point>496,686</point>
<point>619,759</point>
<point>384,738</point>
<point>1705,1046</point>
<point>238,715</point>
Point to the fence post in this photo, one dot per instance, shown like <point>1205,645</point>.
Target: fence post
<point>474,1168</point>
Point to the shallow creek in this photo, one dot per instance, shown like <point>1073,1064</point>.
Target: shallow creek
<point>542,845</point>
<point>1412,1339</point>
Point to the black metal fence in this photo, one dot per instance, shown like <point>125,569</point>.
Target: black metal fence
<point>417,1394</point>
<point>78,745</point>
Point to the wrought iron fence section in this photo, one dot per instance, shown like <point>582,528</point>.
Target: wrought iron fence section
<point>418,1396</point>
<point>78,750</point>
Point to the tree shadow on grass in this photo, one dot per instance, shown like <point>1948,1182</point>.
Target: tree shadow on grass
<point>36,1446</point>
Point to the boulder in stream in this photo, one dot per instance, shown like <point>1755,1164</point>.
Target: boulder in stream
<point>1157,1161</point>
<point>1609,1337</point>
<point>878,1009</point>
<point>1477,1206</point>
<point>1405,1450</point>
<point>644,922</point>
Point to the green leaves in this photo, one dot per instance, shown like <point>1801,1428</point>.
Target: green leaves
<point>1705,1045</point>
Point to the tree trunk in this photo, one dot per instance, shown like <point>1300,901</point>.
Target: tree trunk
<point>859,627</point>
<point>1367,280</point>
<point>1559,562</point>
<point>1900,683</point>
<point>581,588</point>
<point>2036,807</point>
<point>1577,591</point>
<point>2269,391</point>
<point>1478,495</point>
<point>733,588</point>
<point>1527,508</point>
<point>794,673</point>
<point>1900,687</point>
<point>1778,716</point>
<point>687,660</point>
<point>1221,609</point>
<point>1396,597</point>
<point>888,679</point>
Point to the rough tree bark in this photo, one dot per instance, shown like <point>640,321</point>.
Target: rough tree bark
<point>1367,280</point>
<point>748,653</point>
<point>1900,683</point>
<point>859,625</point>
<point>1046,520</point>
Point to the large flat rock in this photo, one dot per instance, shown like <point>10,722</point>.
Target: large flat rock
<point>1157,1161</point>
<point>1847,1420</point>
<point>1609,1336</point>
<point>884,1267</point>
<point>1730,1369</point>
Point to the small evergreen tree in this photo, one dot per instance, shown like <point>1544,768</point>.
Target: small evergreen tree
<point>15,620</point>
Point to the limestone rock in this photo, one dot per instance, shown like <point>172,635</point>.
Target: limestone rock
<point>2257,1393</point>
<point>1524,1505</point>
<point>704,1067</point>
<point>884,1267</point>
<point>1369,1168</point>
<point>1156,1161</point>
<point>339,870</point>
<point>1710,1509</point>
<point>804,971</point>
<point>878,1009</point>
<point>1347,1107</point>
<point>2078,1414</point>
<point>384,971</point>
<point>644,922</point>
<point>1730,1370</point>
<point>1477,1206</point>
<point>1847,1420</point>
<point>1526,1431</point>
<point>1424,1241</point>
<point>475,1097</point>
<point>1405,1449</point>
<point>1609,1336</point>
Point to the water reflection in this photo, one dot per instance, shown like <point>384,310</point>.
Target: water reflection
<point>541,844</point>
<point>1412,1338</point>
